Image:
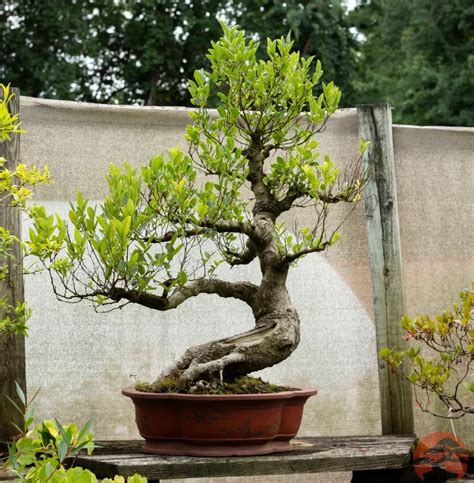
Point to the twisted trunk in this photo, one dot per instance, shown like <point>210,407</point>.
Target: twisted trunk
<point>275,336</point>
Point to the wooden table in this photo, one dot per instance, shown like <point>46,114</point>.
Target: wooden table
<point>371,458</point>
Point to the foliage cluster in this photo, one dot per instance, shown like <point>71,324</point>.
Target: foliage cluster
<point>9,124</point>
<point>419,56</point>
<point>15,190</point>
<point>441,357</point>
<point>45,452</point>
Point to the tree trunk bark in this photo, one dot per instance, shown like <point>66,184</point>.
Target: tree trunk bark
<point>151,98</point>
<point>275,336</point>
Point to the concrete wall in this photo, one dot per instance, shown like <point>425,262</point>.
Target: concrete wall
<point>81,359</point>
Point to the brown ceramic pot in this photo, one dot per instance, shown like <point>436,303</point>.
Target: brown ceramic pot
<point>208,425</point>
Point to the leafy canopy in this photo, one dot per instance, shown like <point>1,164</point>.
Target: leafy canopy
<point>140,239</point>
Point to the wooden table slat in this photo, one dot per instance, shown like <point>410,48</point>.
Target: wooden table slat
<point>309,455</point>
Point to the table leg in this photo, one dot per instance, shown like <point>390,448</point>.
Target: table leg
<point>404,475</point>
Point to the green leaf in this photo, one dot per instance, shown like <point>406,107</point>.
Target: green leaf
<point>198,77</point>
<point>385,352</point>
<point>29,416</point>
<point>62,450</point>
<point>20,393</point>
<point>136,478</point>
<point>84,430</point>
<point>182,278</point>
<point>80,475</point>
<point>14,404</point>
<point>62,431</point>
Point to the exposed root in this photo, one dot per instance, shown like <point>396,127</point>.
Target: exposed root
<point>196,369</point>
<point>274,339</point>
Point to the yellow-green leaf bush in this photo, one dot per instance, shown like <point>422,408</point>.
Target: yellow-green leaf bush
<point>440,359</point>
<point>15,190</point>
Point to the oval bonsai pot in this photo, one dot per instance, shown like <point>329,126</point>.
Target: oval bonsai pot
<point>212,425</point>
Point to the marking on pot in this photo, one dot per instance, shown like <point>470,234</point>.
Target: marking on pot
<point>206,418</point>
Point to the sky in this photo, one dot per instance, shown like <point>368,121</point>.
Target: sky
<point>351,4</point>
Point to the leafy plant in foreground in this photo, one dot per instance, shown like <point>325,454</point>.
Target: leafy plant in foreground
<point>45,452</point>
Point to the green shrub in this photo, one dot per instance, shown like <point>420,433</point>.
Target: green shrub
<point>440,361</point>
<point>44,452</point>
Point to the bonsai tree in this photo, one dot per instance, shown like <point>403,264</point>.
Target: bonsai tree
<point>163,231</point>
<point>440,361</point>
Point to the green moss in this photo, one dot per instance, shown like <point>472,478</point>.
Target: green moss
<point>242,385</point>
<point>167,384</point>
<point>143,386</point>
<point>249,385</point>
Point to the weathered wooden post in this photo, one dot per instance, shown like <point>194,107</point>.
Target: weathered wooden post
<point>12,347</point>
<point>375,125</point>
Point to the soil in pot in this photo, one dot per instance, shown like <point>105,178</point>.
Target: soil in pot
<point>241,385</point>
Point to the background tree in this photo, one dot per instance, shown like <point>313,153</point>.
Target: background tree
<point>161,234</point>
<point>144,52</point>
<point>106,51</point>
<point>419,56</point>
<point>42,46</point>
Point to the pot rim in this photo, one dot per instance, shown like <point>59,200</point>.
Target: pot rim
<point>134,394</point>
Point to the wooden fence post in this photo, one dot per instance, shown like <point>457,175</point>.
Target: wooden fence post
<point>12,347</point>
<point>375,125</point>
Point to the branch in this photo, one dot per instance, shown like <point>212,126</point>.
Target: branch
<point>206,227</point>
<point>244,291</point>
<point>333,199</point>
<point>287,202</point>
<point>305,251</point>
<point>244,257</point>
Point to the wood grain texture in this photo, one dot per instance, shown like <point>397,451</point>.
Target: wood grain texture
<point>375,125</point>
<point>309,455</point>
<point>12,348</point>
